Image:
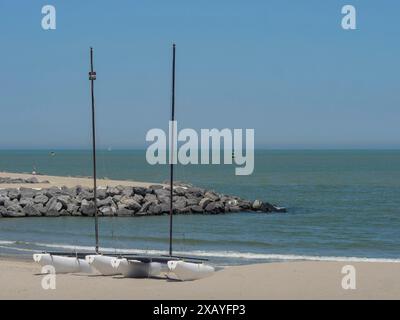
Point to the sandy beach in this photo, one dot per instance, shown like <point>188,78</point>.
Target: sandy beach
<point>289,280</point>
<point>58,181</point>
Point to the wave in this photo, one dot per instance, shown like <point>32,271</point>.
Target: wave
<point>207,254</point>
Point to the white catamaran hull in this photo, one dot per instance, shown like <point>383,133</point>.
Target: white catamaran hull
<point>137,269</point>
<point>102,264</point>
<point>63,264</point>
<point>187,271</point>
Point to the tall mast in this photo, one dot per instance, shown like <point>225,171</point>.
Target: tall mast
<point>92,77</point>
<point>171,209</point>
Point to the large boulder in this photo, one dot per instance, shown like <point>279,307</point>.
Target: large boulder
<point>150,197</point>
<point>25,201</point>
<point>32,210</point>
<point>40,198</point>
<point>105,202</point>
<point>87,208</point>
<point>215,207</point>
<point>65,201</point>
<point>155,209</point>
<point>130,204</point>
<point>27,192</point>
<point>108,211</point>
<point>196,209</point>
<point>113,191</point>
<point>211,195</point>
<point>127,191</point>
<point>140,191</point>
<point>14,194</point>
<point>53,208</point>
<point>205,202</point>
<point>257,204</point>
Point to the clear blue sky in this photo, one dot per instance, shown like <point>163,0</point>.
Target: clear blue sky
<point>285,68</point>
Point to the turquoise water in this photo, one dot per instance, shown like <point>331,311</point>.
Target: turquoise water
<point>340,204</point>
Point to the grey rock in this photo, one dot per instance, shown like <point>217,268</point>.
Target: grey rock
<point>40,198</point>
<point>215,208</point>
<point>146,206</point>
<point>32,210</point>
<point>3,199</point>
<point>105,202</point>
<point>87,208</point>
<point>130,204</point>
<point>32,180</point>
<point>25,201</point>
<point>14,194</point>
<point>68,191</point>
<point>65,201</point>
<point>138,198</point>
<point>180,191</point>
<point>141,191</point>
<point>113,191</point>
<point>127,191</point>
<point>245,205</point>
<point>162,193</point>
<point>204,202</point>
<point>108,211</point>
<point>229,208</point>
<point>150,197</point>
<point>8,213</point>
<point>211,195</point>
<point>155,209</point>
<point>180,204</point>
<point>52,192</point>
<point>27,192</point>
<point>257,204</point>
<point>232,202</point>
<point>117,198</point>
<point>13,207</point>
<point>86,195</point>
<point>101,193</point>
<point>192,202</point>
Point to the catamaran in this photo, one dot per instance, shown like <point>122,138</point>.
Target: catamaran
<point>176,267</point>
<point>129,265</point>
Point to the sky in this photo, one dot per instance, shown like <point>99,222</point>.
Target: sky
<point>284,68</point>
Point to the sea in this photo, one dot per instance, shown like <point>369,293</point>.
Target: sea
<point>342,205</point>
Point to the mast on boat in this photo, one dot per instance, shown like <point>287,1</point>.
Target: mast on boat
<point>92,77</point>
<point>171,209</point>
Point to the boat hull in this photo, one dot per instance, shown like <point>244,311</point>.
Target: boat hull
<point>138,269</point>
<point>63,264</point>
<point>102,264</point>
<point>187,271</point>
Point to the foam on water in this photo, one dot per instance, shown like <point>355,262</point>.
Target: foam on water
<point>209,254</point>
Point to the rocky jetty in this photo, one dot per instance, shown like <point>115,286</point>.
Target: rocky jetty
<point>9,180</point>
<point>123,201</point>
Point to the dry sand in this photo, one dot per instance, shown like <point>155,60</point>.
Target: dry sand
<point>66,181</point>
<point>289,280</point>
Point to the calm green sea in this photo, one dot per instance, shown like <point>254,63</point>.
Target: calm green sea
<point>340,204</point>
